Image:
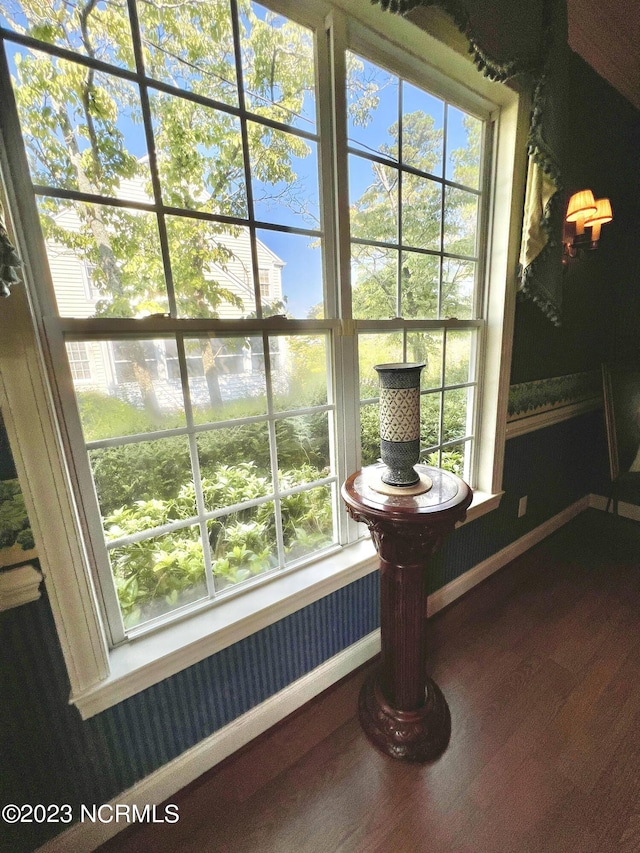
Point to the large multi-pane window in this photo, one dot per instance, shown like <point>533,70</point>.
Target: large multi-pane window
<point>186,154</point>
<point>415,169</point>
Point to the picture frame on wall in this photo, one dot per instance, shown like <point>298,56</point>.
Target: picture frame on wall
<point>621,389</point>
<point>16,537</point>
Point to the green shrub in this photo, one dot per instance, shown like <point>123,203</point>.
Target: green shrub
<point>104,416</point>
<point>159,469</point>
<point>149,484</point>
<point>165,571</point>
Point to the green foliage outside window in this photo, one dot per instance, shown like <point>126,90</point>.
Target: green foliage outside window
<point>146,485</point>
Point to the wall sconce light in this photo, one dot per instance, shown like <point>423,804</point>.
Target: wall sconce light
<point>584,212</point>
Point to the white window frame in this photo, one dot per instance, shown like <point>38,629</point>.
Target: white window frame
<point>101,677</point>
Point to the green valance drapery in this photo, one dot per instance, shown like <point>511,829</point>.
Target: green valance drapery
<point>9,260</point>
<point>540,221</point>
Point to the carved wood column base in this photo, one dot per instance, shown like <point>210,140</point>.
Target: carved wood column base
<point>421,735</point>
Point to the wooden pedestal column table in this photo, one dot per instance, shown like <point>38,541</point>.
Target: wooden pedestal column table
<point>401,709</point>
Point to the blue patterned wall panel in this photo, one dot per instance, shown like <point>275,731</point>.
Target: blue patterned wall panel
<point>51,755</point>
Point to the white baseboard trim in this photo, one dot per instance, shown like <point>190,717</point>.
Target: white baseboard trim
<point>172,777</point>
<point>625,510</point>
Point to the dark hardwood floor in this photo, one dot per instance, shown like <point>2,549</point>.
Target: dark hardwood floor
<point>541,668</point>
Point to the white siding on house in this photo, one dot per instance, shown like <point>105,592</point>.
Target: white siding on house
<point>76,297</point>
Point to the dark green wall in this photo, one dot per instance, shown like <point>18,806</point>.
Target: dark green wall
<point>595,134</point>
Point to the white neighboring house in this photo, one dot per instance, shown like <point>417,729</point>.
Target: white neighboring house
<point>100,366</point>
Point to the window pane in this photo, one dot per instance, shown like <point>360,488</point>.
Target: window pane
<point>427,347</point>
<point>62,106</point>
<point>373,196</point>
<point>464,142</point>
<point>420,284</point>
<point>278,67</point>
<point>211,267</point>
<point>460,221</point>
<point>455,458</point>
<point>154,473</point>
<point>430,419</point>
<point>106,34</point>
<point>370,433</point>
<point>294,266</point>
<point>307,522</point>
<point>284,177</point>
<point>130,392</point>
<point>421,212</point>
<point>457,413</point>
<point>458,288</point>
<point>372,107</point>
<point>460,352</point>
<point>299,367</point>
<point>243,545</point>
<point>232,383</point>
<point>104,261</point>
<point>376,349</point>
<point>303,449</point>
<point>158,575</point>
<point>374,276</point>
<point>190,45</point>
<point>235,465</point>
<point>422,129</point>
<point>199,153</point>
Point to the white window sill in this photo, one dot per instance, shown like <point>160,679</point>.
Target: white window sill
<point>149,659</point>
<point>482,503</point>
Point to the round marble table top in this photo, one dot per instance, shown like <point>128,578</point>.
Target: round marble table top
<point>447,491</point>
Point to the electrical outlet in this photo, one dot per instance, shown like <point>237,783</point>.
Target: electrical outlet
<point>522,506</point>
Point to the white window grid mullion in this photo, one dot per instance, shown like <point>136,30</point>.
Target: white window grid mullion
<point>273,450</point>
<point>442,210</point>
<point>325,121</point>
<point>244,135</point>
<point>344,341</point>
<point>477,351</point>
<point>452,442</point>
<point>399,231</point>
<point>195,465</point>
<point>331,358</point>
<point>210,515</point>
<point>332,418</point>
<point>151,150</point>
<point>201,428</point>
<point>152,532</point>
<point>443,368</point>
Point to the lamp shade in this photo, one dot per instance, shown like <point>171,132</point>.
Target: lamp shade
<point>581,205</point>
<point>602,215</point>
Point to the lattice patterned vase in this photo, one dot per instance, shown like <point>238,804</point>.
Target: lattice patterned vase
<point>400,421</point>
